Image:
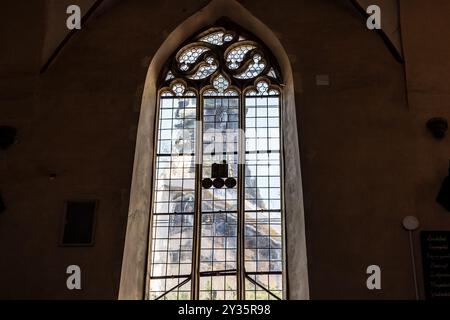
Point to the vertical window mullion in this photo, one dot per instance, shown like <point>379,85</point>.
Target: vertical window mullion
<point>195,273</point>
<point>241,201</point>
<point>285,287</point>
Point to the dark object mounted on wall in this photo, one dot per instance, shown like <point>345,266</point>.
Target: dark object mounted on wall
<point>79,223</point>
<point>219,177</point>
<point>230,183</point>
<point>207,183</point>
<point>2,204</point>
<point>219,170</point>
<point>218,183</point>
<point>443,197</point>
<point>7,136</point>
<point>438,127</point>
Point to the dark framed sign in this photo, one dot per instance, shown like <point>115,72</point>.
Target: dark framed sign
<point>436,264</point>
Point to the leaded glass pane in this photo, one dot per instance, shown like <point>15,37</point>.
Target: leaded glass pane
<point>263,215</point>
<point>204,71</point>
<point>219,205</point>
<point>236,55</point>
<point>255,68</point>
<point>191,55</point>
<point>169,76</point>
<point>215,38</point>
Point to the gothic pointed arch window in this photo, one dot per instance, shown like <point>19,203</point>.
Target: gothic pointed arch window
<point>217,223</point>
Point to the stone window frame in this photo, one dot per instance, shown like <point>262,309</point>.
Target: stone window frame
<point>134,264</point>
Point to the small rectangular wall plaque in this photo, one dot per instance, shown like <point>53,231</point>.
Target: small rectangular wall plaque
<point>323,80</point>
<point>436,264</point>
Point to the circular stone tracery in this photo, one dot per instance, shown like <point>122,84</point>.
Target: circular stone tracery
<point>236,59</point>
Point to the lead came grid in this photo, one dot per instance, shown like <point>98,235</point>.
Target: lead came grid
<point>189,220</point>
<point>219,206</point>
<point>218,288</point>
<point>174,198</point>
<point>269,281</point>
<point>263,221</point>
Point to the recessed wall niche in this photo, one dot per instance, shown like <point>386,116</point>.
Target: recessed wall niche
<point>78,228</point>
